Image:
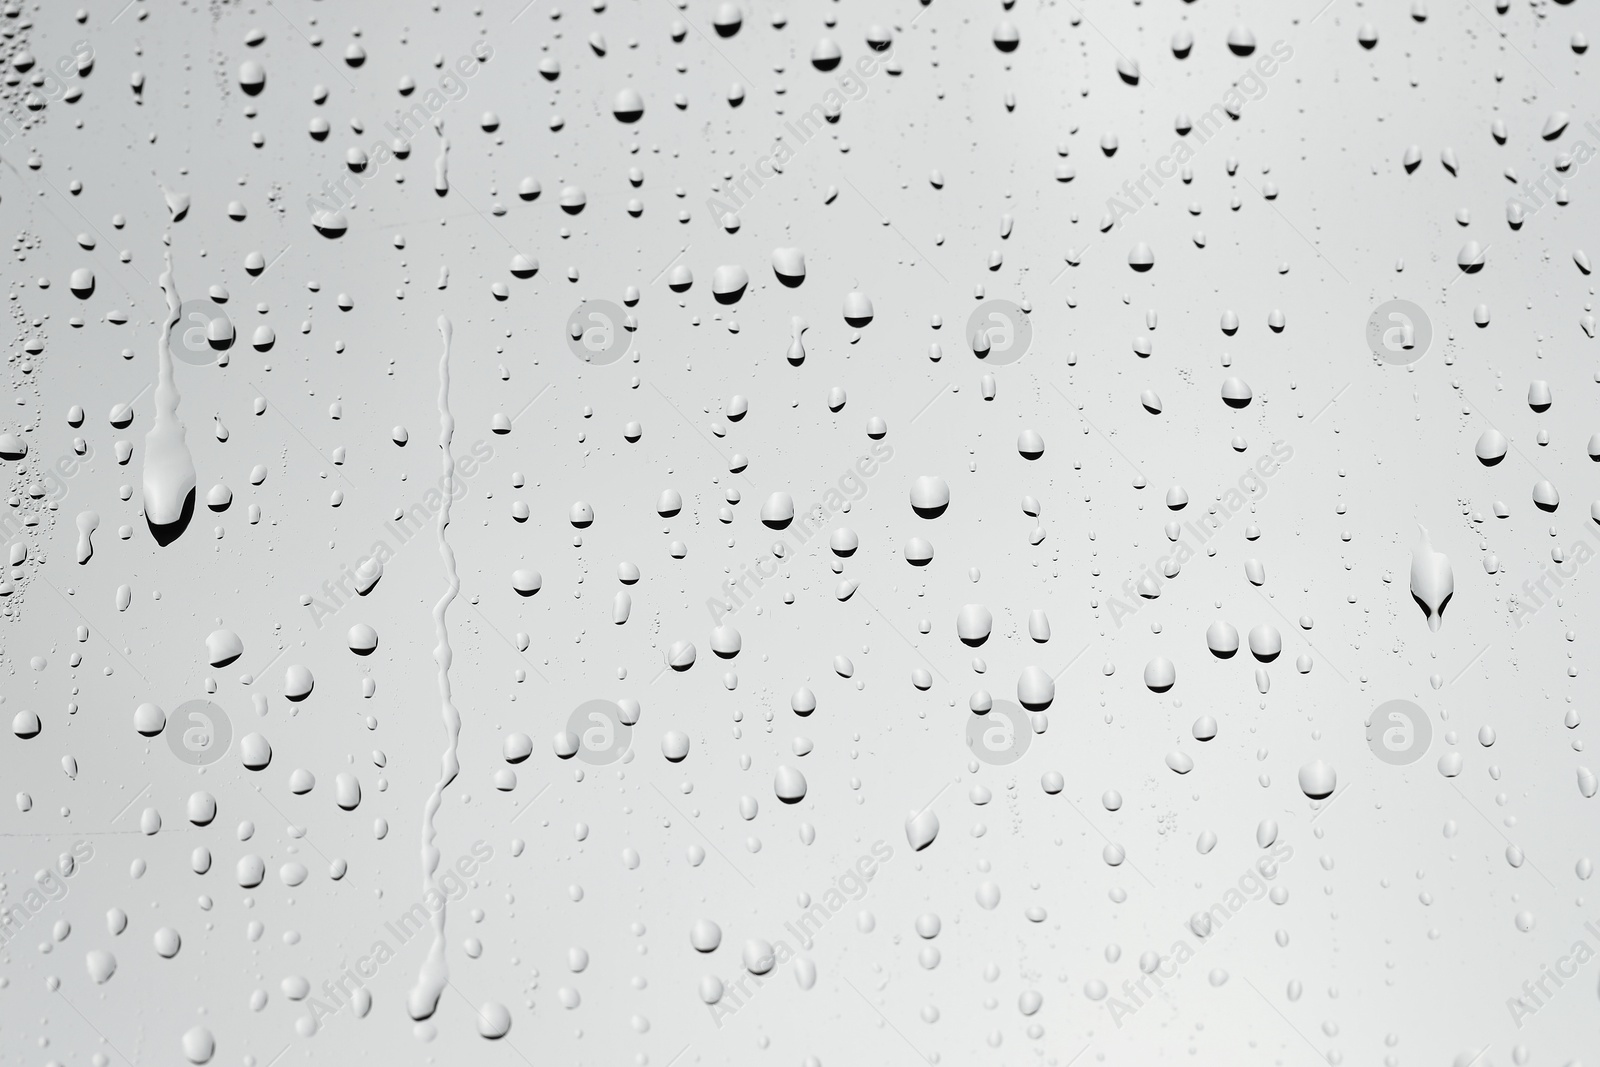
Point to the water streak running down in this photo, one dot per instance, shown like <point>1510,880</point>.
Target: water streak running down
<point>441,164</point>
<point>169,475</point>
<point>435,973</point>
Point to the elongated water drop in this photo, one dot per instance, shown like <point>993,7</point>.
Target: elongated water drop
<point>169,475</point>
<point>88,522</point>
<point>797,350</point>
<point>1432,581</point>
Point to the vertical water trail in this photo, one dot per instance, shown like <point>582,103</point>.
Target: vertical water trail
<point>435,973</point>
<point>169,475</point>
<point>441,164</point>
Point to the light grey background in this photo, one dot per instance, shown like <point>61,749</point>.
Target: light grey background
<point>1401,917</point>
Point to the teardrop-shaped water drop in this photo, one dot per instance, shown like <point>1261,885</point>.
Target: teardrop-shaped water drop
<point>1432,580</point>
